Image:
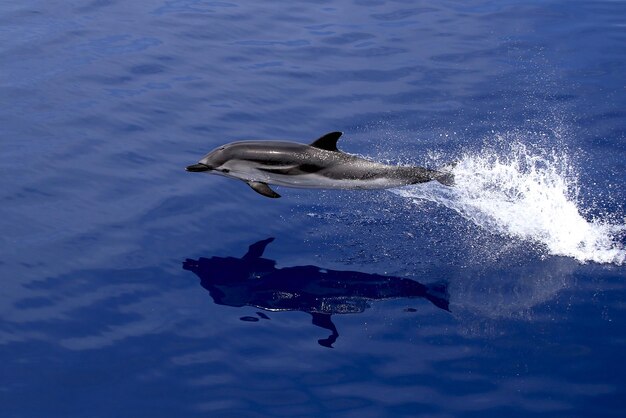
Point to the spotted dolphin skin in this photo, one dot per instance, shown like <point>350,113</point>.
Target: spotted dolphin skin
<point>319,165</point>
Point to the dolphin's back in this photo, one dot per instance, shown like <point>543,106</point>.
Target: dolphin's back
<point>261,151</point>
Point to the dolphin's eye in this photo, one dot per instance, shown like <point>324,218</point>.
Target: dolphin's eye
<point>225,170</point>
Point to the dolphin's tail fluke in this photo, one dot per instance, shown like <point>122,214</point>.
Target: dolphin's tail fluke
<point>444,175</point>
<point>437,293</point>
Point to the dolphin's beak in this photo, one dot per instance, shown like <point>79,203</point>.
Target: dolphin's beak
<point>198,167</point>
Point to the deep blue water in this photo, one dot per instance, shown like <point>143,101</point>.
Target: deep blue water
<point>126,288</point>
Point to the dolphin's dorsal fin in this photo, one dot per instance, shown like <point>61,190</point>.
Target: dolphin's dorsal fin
<point>256,249</point>
<point>262,188</point>
<point>327,142</point>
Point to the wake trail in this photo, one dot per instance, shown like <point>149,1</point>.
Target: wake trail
<point>530,194</point>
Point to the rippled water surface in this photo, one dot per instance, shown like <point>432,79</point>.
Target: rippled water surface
<point>133,288</point>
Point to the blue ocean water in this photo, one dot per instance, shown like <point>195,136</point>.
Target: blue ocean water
<point>133,288</point>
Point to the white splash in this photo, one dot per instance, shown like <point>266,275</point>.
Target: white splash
<point>529,194</point>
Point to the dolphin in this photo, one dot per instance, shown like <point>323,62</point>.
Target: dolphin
<point>319,165</point>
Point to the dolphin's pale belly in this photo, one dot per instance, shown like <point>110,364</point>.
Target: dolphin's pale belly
<point>322,179</point>
<point>316,181</point>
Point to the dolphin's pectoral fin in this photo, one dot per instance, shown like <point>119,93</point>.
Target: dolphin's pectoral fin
<point>262,188</point>
<point>323,320</point>
<point>327,142</point>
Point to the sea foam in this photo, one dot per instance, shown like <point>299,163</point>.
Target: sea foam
<point>527,193</point>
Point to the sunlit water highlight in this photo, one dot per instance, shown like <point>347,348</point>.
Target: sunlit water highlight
<point>528,193</point>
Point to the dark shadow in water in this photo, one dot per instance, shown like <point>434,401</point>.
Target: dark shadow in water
<point>255,281</point>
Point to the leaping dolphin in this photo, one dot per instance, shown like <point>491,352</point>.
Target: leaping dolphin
<point>319,165</point>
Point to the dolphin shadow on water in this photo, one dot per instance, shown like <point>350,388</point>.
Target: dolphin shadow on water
<point>255,281</point>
